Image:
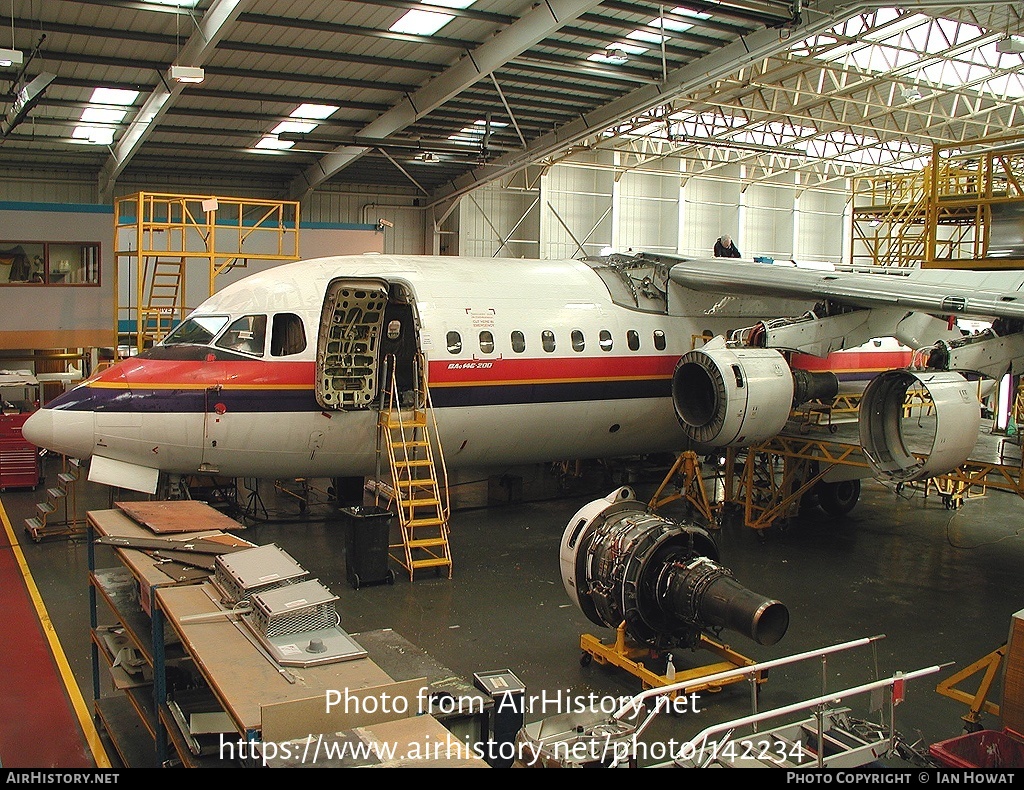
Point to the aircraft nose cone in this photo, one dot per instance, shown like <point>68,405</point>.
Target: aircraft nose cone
<point>64,432</point>
<point>38,428</point>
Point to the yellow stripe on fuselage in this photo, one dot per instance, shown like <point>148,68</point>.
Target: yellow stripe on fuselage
<point>120,385</point>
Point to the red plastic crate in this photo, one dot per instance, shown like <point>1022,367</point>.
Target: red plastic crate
<point>983,749</point>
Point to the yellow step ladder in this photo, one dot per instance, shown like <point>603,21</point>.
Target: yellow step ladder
<point>166,299</point>
<point>419,487</point>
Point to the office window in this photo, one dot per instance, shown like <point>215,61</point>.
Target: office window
<point>49,263</point>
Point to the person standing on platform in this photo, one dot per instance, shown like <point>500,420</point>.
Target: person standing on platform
<point>724,247</point>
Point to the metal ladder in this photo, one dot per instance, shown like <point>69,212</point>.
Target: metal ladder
<point>419,485</point>
<point>165,303</point>
<point>64,498</point>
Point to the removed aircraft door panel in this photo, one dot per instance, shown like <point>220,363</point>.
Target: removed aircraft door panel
<point>347,369</point>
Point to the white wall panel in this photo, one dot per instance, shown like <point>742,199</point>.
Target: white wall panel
<point>711,207</point>
<point>768,221</point>
<point>823,227</point>
<point>576,209</point>
<point>499,222</point>
<point>647,208</point>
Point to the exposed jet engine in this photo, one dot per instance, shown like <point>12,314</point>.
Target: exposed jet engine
<point>623,563</point>
<point>727,395</point>
<point>738,395</point>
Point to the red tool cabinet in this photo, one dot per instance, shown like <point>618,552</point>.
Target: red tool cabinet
<point>19,459</point>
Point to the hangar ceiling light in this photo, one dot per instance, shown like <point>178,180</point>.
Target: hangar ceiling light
<point>11,57</point>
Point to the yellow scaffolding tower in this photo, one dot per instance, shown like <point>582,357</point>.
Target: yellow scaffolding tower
<point>157,235</point>
<point>961,211</point>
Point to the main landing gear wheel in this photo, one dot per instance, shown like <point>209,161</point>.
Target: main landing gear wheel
<point>838,499</point>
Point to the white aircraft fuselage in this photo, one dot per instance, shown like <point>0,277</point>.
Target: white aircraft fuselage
<point>279,375</point>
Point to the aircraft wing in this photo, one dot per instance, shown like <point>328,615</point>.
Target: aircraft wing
<point>988,294</point>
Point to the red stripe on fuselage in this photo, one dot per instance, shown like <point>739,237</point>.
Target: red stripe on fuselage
<point>158,373</point>
<point>161,373</point>
<point>853,361</point>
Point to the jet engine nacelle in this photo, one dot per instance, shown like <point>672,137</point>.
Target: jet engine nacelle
<point>904,444</point>
<point>725,395</point>
<point>622,563</point>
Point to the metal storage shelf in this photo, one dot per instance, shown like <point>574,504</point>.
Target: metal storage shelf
<point>137,714</point>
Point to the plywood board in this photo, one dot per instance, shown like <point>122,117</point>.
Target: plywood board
<point>300,718</point>
<point>1011,710</point>
<point>242,676</point>
<point>179,515</point>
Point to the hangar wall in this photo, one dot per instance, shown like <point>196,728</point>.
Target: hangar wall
<point>582,205</point>
<point>591,204</point>
<point>82,316</point>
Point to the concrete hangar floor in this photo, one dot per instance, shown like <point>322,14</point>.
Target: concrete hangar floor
<point>941,586</point>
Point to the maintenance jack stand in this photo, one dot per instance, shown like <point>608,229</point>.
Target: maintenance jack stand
<point>628,655</point>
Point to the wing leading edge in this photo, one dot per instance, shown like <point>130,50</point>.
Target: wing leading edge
<point>945,292</point>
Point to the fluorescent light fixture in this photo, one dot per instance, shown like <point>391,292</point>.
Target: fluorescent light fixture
<point>24,102</point>
<point>1011,45</point>
<point>11,57</point>
<point>187,74</point>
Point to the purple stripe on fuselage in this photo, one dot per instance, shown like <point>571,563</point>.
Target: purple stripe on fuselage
<point>178,401</point>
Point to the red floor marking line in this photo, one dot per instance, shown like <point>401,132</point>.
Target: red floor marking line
<point>38,724</point>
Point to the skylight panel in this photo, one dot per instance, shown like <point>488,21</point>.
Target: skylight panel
<point>87,131</point>
<point>426,23</point>
<point>315,111</point>
<point>1010,86</point>
<point>275,143</point>
<point>421,23</point>
<point>293,126</point>
<point>93,135</point>
<point>100,115</point>
<point>643,34</point>
<point>113,96</point>
<point>172,3</point>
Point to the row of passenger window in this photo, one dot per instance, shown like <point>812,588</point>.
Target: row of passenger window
<point>547,341</point>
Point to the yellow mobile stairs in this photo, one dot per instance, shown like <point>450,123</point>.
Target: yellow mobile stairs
<point>419,480</point>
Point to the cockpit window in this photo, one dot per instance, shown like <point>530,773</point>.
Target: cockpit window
<point>288,335</point>
<point>246,334</point>
<point>198,330</point>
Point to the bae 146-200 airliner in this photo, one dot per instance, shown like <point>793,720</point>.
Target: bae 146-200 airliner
<point>280,375</point>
